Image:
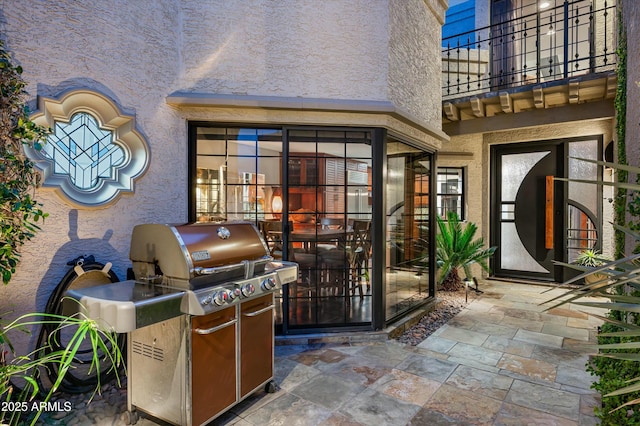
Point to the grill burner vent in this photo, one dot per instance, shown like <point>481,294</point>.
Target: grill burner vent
<point>148,351</point>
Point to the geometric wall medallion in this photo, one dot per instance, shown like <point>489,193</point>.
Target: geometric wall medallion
<point>94,152</point>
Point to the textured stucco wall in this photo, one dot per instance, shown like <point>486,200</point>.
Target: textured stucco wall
<point>139,52</point>
<point>127,51</point>
<point>328,49</point>
<point>415,65</point>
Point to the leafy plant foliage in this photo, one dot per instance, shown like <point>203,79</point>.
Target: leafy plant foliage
<point>19,212</point>
<point>614,374</point>
<point>590,258</point>
<point>27,368</point>
<point>456,249</point>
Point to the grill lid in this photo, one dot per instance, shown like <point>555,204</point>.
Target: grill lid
<point>197,254</point>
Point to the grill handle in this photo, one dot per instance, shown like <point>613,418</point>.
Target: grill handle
<point>216,328</point>
<point>258,312</point>
<point>247,265</point>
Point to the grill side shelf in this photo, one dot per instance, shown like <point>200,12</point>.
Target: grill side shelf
<point>124,306</point>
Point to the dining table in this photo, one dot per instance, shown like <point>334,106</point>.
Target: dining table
<point>310,237</point>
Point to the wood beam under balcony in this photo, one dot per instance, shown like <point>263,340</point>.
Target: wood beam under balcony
<point>477,107</point>
<point>538,97</point>
<point>537,117</point>
<point>451,111</point>
<point>574,91</point>
<point>506,103</point>
<point>612,85</point>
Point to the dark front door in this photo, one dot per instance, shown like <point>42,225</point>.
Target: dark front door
<point>536,219</point>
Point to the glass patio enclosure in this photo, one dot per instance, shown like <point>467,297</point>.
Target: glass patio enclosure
<point>352,206</point>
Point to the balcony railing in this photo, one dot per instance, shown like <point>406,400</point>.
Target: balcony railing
<point>573,39</point>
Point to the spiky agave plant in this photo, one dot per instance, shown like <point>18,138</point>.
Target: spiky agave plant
<point>620,279</point>
<point>456,249</point>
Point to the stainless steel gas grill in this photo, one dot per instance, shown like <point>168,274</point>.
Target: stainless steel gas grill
<point>199,316</point>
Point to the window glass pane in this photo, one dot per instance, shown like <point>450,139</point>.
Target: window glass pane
<point>513,254</point>
<point>450,191</point>
<point>296,146</point>
<point>581,232</point>
<point>508,212</point>
<point>211,140</point>
<point>269,167</point>
<point>329,207</point>
<point>359,145</point>
<point>407,240</point>
<point>334,201</point>
<point>210,196</point>
<point>514,169</point>
<point>585,194</point>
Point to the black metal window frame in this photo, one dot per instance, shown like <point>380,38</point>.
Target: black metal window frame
<point>443,196</point>
<point>349,134</point>
<point>379,139</point>
<point>405,307</point>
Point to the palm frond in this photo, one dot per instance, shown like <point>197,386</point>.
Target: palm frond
<point>457,248</point>
<point>617,166</point>
<point>620,278</point>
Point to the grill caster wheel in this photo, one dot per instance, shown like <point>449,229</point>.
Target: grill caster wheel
<point>131,417</point>
<point>271,387</point>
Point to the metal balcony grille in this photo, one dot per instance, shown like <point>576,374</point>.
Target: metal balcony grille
<point>535,46</point>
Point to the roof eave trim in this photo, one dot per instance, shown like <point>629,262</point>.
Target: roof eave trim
<point>193,99</point>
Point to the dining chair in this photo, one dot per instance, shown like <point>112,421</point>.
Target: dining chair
<point>362,252</point>
<point>269,230</point>
<point>329,223</point>
<point>343,267</point>
<point>307,262</point>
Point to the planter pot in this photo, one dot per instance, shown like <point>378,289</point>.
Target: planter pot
<point>593,278</point>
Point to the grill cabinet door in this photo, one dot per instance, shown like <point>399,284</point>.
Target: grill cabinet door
<point>213,370</point>
<point>256,343</point>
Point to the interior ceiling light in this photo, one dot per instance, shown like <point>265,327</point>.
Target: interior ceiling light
<point>544,4</point>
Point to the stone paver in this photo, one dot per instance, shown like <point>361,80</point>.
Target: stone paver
<point>536,369</point>
<point>462,335</point>
<point>437,344</point>
<point>489,384</point>
<point>546,399</point>
<point>539,338</point>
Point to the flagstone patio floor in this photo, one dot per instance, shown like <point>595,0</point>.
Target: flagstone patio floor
<point>503,360</point>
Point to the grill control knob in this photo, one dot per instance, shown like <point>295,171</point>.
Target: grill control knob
<point>206,300</point>
<point>220,297</point>
<point>248,289</point>
<point>268,284</point>
<point>234,293</point>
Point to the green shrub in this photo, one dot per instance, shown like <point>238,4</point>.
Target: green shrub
<point>19,212</point>
<point>613,374</point>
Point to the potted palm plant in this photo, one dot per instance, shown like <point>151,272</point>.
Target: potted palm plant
<point>456,249</point>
